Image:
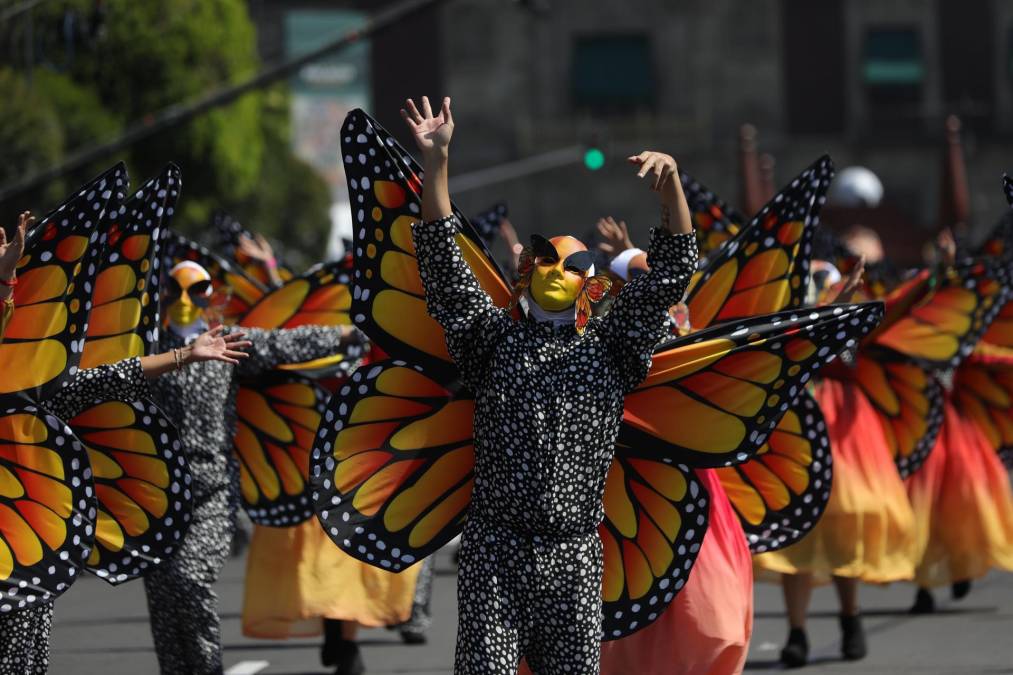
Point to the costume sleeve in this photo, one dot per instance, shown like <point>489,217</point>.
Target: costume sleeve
<point>5,315</point>
<point>455,299</point>
<point>121,381</point>
<point>638,319</point>
<point>272,348</point>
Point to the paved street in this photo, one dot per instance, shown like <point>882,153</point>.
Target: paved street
<point>105,630</point>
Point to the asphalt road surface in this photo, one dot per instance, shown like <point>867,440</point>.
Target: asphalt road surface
<point>104,630</point>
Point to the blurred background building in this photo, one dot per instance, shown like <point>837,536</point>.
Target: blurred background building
<point>538,83</point>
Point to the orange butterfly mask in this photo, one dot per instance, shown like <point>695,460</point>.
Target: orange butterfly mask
<point>559,273</point>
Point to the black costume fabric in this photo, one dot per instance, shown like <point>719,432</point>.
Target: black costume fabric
<point>200,400</point>
<point>548,407</point>
<point>24,635</point>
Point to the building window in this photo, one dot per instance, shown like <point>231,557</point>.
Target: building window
<point>613,73</point>
<point>893,72</point>
<point>892,57</point>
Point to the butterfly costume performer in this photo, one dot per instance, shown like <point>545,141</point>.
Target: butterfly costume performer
<point>961,498</point>
<point>776,497</point>
<point>202,402</point>
<point>578,523</point>
<point>94,477</point>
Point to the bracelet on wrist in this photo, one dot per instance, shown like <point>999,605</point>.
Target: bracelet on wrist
<point>9,283</point>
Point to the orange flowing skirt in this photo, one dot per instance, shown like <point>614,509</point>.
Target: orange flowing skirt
<point>296,577</point>
<point>868,529</point>
<point>706,629</point>
<point>963,506</point>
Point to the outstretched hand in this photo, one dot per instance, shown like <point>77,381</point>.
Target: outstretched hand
<point>432,132</point>
<point>213,346</point>
<point>11,251</point>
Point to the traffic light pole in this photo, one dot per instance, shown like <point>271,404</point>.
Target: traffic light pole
<point>517,169</point>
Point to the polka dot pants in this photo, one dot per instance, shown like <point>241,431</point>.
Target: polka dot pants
<point>523,596</point>
<point>24,640</point>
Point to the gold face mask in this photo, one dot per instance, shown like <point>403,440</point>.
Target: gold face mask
<point>189,293</point>
<point>558,276</point>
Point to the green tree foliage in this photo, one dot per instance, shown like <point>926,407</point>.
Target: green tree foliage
<point>292,202</point>
<point>31,138</point>
<point>101,72</point>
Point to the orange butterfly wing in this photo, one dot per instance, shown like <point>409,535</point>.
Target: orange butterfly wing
<point>765,267</point>
<point>1000,331</point>
<point>388,302</point>
<point>392,469</point>
<point>713,220</point>
<point>780,494</point>
<point>142,483</point>
<point>943,327</point>
<point>712,398</point>
<point>124,315</point>
<point>53,295</point>
<point>278,419</point>
<point>908,400</point>
<point>983,393</point>
<point>655,520</point>
<point>321,297</point>
<point>47,505</point>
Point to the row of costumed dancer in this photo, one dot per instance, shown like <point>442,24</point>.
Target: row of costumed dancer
<point>620,440</point>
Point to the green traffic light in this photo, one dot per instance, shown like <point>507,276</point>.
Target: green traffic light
<point>594,159</point>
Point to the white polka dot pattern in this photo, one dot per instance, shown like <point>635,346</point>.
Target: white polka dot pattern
<point>47,504</point>
<point>124,321</point>
<point>143,484</point>
<point>765,267</point>
<point>780,494</point>
<point>278,416</point>
<point>54,298</point>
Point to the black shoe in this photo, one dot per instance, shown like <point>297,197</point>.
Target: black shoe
<point>924,602</point>
<point>349,660</point>
<point>411,637</point>
<point>796,653</point>
<point>960,589</point>
<point>852,638</point>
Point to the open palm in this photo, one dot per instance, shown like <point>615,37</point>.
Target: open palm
<point>213,345</point>
<point>11,251</point>
<point>432,132</point>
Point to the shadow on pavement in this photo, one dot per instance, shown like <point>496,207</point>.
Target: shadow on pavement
<point>943,611</point>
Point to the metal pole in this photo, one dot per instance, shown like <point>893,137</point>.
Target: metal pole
<point>516,169</point>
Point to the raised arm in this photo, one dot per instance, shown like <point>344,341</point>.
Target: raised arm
<point>454,298</point>
<point>638,319</point>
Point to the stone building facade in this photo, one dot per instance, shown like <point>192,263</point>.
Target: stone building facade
<point>870,82</point>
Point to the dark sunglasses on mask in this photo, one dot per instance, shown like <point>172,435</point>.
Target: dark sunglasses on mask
<point>199,292</point>
<point>578,262</point>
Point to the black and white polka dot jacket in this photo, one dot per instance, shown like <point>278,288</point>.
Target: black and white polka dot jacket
<point>549,402</point>
<point>201,399</point>
<point>121,381</point>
